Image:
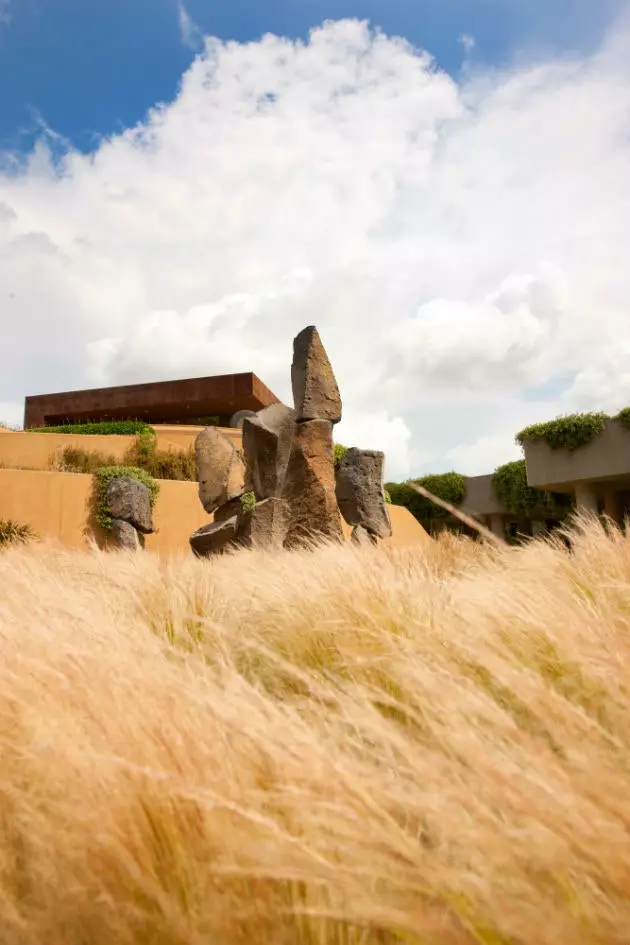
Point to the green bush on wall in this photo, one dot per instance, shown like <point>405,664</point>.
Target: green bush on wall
<point>339,450</point>
<point>510,486</point>
<point>569,433</point>
<point>104,476</point>
<point>449,486</point>
<point>102,428</point>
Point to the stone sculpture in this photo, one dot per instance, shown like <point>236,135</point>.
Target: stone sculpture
<point>359,491</point>
<point>129,504</point>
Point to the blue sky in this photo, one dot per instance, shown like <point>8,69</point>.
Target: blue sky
<point>459,237</point>
<point>93,67</point>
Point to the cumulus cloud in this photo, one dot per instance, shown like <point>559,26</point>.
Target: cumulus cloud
<point>456,245</point>
<point>190,33</point>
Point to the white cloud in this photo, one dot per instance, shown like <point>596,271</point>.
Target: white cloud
<point>190,33</point>
<point>455,245</point>
<point>467,42</point>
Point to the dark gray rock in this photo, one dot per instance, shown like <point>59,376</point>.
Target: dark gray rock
<point>214,538</point>
<point>309,486</point>
<point>315,391</point>
<point>267,441</point>
<point>264,526</point>
<point>130,501</point>
<point>125,535</point>
<point>359,491</point>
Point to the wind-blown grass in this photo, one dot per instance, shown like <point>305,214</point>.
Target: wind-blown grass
<point>418,746</point>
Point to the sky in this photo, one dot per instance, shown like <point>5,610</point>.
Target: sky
<point>442,187</point>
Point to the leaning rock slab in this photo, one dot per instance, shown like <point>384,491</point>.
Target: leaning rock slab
<point>264,526</point>
<point>130,501</point>
<point>359,490</point>
<point>221,469</point>
<point>315,392</point>
<point>309,486</point>
<point>362,537</point>
<point>214,538</point>
<point>125,535</point>
<point>267,441</point>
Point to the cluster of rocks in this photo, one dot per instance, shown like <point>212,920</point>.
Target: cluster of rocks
<point>129,505</point>
<point>287,462</point>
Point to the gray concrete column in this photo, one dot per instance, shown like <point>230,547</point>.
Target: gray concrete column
<point>497,525</point>
<point>585,498</point>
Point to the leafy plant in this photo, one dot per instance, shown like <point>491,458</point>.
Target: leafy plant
<point>624,418</point>
<point>449,486</point>
<point>162,464</point>
<point>104,476</point>
<point>100,428</point>
<point>77,460</point>
<point>510,486</point>
<point>388,498</point>
<point>248,501</point>
<point>569,432</point>
<point>12,533</point>
<point>339,450</point>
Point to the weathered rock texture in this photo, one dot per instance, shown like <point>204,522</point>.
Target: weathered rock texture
<point>359,491</point>
<point>221,469</point>
<point>125,535</point>
<point>315,390</point>
<point>267,442</point>
<point>309,486</point>
<point>264,526</point>
<point>229,510</point>
<point>361,536</point>
<point>214,538</point>
<point>130,501</point>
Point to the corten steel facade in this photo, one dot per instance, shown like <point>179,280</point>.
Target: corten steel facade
<point>162,402</point>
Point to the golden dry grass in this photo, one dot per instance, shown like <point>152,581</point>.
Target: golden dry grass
<point>423,746</point>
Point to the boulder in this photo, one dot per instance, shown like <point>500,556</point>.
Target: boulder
<point>361,536</point>
<point>214,538</point>
<point>309,486</point>
<point>267,441</point>
<point>130,501</point>
<point>359,491</point>
<point>221,469</point>
<point>229,510</point>
<point>125,535</point>
<point>264,526</point>
<point>315,392</point>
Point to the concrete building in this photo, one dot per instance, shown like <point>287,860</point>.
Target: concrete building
<point>598,474</point>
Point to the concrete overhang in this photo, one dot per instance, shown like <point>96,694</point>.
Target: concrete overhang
<point>605,460</point>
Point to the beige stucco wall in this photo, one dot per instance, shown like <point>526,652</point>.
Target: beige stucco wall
<point>58,506</point>
<point>38,450</point>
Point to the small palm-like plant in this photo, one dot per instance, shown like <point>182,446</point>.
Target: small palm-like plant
<point>13,533</point>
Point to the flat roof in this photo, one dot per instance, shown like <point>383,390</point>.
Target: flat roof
<point>156,402</point>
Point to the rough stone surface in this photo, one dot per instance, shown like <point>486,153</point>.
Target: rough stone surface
<point>359,491</point>
<point>129,500</point>
<point>315,390</point>
<point>125,535</point>
<point>267,441</point>
<point>309,486</point>
<point>229,510</point>
<point>361,536</point>
<point>221,469</point>
<point>214,538</point>
<point>264,526</point>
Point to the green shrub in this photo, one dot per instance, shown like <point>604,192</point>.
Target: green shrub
<point>100,428</point>
<point>510,486</point>
<point>624,417</point>
<point>77,460</point>
<point>449,486</point>
<point>144,454</point>
<point>104,476</point>
<point>248,501</point>
<point>569,433</point>
<point>13,534</point>
<point>339,450</point>
<point>388,498</point>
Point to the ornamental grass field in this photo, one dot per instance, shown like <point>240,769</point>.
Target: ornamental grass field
<point>349,747</point>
